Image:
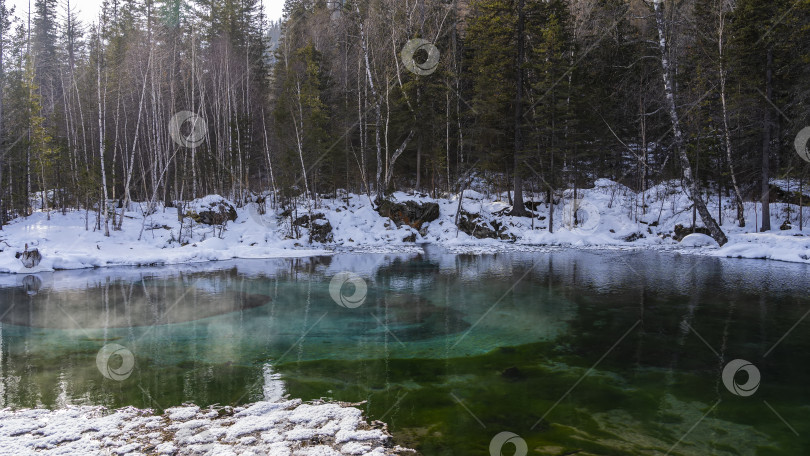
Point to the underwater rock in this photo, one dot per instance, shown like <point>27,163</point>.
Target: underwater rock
<point>512,373</point>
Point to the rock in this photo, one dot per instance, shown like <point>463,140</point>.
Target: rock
<point>512,373</point>
<point>681,232</point>
<point>321,228</point>
<point>30,258</point>
<point>633,237</point>
<point>408,213</point>
<point>533,205</point>
<point>467,223</point>
<point>786,226</point>
<point>217,213</point>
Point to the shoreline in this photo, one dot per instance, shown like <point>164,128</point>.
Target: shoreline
<point>350,224</point>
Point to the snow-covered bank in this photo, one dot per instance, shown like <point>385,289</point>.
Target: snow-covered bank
<point>64,242</point>
<point>283,428</point>
<point>609,215</point>
<point>275,426</point>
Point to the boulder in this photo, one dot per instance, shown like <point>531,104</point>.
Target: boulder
<point>30,258</point>
<point>681,232</point>
<point>214,213</point>
<point>408,213</point>
<point>321,228</point>
<point>468,223</point>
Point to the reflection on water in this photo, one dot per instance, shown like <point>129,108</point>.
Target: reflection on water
<point>595,352</point>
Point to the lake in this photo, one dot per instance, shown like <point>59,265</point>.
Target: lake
<point>602,352</point>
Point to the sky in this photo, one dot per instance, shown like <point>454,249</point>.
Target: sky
<point>88,9</point>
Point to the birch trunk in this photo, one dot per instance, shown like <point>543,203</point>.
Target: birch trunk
<point>377,107</point>
<point>697,200</point>
<point>101,103</point>
<point>726,133</point>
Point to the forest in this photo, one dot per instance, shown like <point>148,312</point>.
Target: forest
<point>375,96</point>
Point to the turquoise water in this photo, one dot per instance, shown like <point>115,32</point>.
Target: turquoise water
<point>576,352</point>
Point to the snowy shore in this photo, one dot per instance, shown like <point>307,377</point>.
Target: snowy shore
<point>263,428</point>
<point>609,216</point>
<point>275,426</point>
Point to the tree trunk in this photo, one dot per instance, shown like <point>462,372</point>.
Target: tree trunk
<point>2,146</point>
<point>377,107</point>
<point>101,106</point>
<point>726,133</point>
<point>389,173</point>
<point>766,147</point>
<point>518,208</point>
<point>699,204</point>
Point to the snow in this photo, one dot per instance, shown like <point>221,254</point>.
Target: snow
<point>277,428</point>
<point>699,240</point>
<point>65,244</point>
<point>609,215</point>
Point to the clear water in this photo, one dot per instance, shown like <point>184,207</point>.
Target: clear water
<point>577,352</point>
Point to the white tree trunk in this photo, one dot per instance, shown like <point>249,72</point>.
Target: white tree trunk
<point>697,200</point>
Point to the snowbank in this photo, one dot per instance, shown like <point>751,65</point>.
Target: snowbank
<point>609,215</point>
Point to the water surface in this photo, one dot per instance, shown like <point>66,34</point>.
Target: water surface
<point>577,352</point>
